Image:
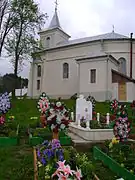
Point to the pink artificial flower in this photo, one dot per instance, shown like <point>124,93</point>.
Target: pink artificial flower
<point>2,120</point>
<point>78,174</point>
<point>62,176</point>
<point>68,171</point>
<point>61,165</point>
<point>56,173</point>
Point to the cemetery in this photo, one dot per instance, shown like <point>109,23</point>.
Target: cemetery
<point>71,139</point>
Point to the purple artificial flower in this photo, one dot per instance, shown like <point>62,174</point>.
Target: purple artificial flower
<point>43,161</point>
<point>55,141</point>
<point>38,153</point>
<point>46,142</point>
<point>61,158</point>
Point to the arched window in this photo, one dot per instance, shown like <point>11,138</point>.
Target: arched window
<point>65,71</point>
<point>39,71</point>
<point>47,41</point>
<point>122,65</point>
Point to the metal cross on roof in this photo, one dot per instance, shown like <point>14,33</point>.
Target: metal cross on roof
<point>113,28</point>
<point>56,5</point>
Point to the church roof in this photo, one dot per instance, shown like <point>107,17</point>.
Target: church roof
<point>107,36</point>
<point>55,21</point>
<point>97,55</point>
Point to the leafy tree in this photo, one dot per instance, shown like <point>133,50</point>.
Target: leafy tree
<point>4,22</point>
<point>21,41</point>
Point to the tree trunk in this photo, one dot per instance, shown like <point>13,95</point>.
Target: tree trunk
<point>15,79</point>
<point>17,59</point>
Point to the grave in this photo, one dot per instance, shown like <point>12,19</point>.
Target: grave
<point>84,111</point>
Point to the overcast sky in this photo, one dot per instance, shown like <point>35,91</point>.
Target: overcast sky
<point>80,18</point>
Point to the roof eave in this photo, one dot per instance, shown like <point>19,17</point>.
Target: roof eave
<point>123,75</point>
<point>67,45</point>
<point>55,28</point>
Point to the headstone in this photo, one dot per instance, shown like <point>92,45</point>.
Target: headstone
<point>89,112</point>
<point>83,109</point>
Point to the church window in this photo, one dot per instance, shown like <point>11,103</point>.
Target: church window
<point>38,84</point>
<point>93,76</point>
<point>65,71</point>
<point>39,71</point>
<point>122,65</point>
<point>47,41</point>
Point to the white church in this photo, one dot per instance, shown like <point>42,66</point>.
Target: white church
<point>102,66</point>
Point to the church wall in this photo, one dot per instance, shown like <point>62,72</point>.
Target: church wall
<point>121,49</point>
<point>114,66</point>
<point>114,91</point>
<point>74,52</point>
<point>130,91</point>
<point>55,37</point>
<point>30,89</point>
<point>98,89</point>
<point>54,84</point>
<point>35,92</point>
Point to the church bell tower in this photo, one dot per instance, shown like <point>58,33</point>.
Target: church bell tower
<point>54,35</point>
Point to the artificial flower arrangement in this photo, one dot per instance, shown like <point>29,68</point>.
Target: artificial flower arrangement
<point>122,124</point>
<point>7,128</point>
<point>48,154</point>
<point>133,107</point>
<point>133,104</point>
<point>94,115</point>
<point>122,128</point>
<point>5,105</point>
<point>56,162</point>
<point>43,105</point>
<point>64,172</point>
<point>93,101</point>
<point>58,118</point>
<point>113,106</point>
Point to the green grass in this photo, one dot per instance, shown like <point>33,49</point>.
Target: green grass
<point>17,162</point>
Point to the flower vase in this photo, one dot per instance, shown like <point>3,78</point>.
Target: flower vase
<point>43,120</point>
<point>55,135</point>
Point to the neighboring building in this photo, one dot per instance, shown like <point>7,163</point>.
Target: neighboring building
<point>98,65</point>
<point>20,92</point>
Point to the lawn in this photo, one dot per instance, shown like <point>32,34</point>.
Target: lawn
<point>17,162</point>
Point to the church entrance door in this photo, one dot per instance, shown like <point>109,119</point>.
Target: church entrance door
<point>122,91</point>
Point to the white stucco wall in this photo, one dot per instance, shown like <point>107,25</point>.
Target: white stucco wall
<point>121,49</point>
<point>115,91</point>
<point>98,89</point>
<point>54,84</point>
<point>130,91</point>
